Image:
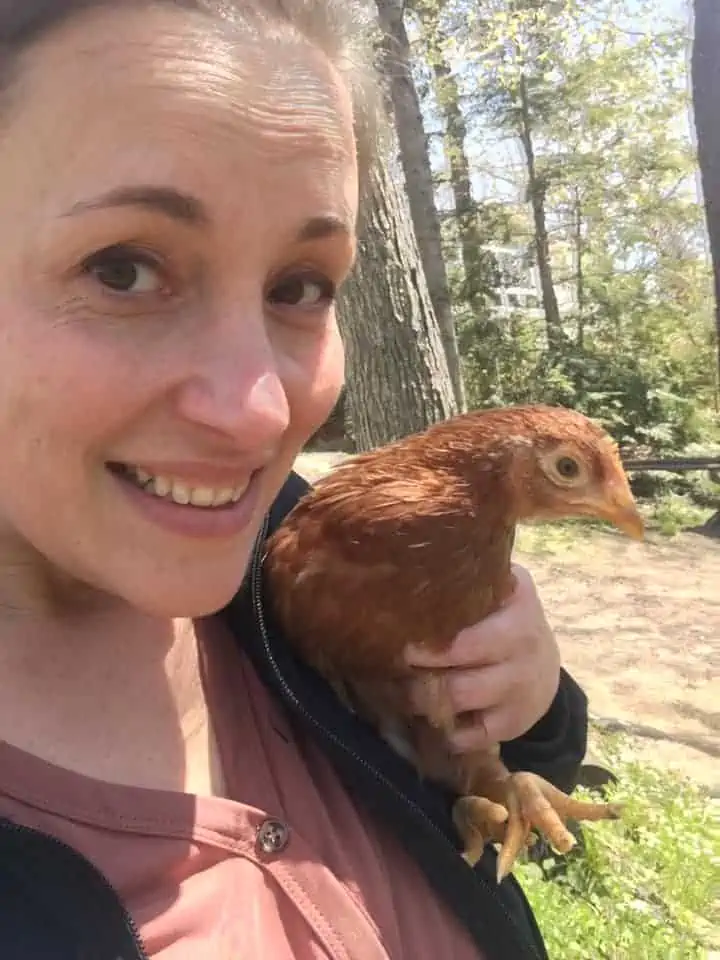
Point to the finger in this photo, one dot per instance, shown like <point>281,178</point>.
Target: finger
<point>479,735</point>
<point>483,729</point>
<point>467,690</point>
<point>523,578</point>
<point>483,643</point>
<point>482,689</point>
<point>492,639</point>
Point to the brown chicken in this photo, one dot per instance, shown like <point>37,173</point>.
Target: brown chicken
<point>410,544</point>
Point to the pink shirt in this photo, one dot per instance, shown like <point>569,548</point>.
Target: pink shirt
<point>286,867</point>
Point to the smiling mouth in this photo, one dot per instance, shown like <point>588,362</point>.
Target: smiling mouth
<point>177,491</point>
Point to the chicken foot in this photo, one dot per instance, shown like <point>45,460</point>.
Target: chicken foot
<point>530,804</point>
<point>478,821</point>
<point>499,806</point>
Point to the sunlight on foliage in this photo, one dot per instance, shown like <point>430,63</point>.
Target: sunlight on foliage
<point>673,513</point>
<point>667,516</point>
<point>644,888</point>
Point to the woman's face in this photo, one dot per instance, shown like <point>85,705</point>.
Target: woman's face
<point>177,208</point>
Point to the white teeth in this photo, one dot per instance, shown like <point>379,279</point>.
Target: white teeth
<point>161,486</point>
<point>179,492</point>
<point>202,496</point>
<point>222,497</point>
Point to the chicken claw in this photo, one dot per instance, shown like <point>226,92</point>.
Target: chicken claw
<point>534,804</point>
<point>478,821</point>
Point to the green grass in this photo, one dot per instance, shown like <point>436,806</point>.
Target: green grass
<point>556,537</point>
<point>672,513</point>
<point>667,515</point>
<point>645,887</point>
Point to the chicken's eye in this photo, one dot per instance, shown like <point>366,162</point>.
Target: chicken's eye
<point>568,468</point>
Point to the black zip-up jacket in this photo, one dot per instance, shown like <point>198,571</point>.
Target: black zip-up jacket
<point>54,905</point>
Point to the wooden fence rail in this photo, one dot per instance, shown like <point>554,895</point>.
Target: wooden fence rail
<point>711,465</point>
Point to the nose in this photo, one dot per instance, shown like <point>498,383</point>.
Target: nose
<point>234,387</point>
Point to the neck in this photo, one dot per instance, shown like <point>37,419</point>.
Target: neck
<point>105,691</point>
<point>32,588</point>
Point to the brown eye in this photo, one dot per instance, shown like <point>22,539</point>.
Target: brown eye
<point>567,468</point>
<point>123,270</point>
<point>304,291</point>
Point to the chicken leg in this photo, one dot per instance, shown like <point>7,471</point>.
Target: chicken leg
<point>499,806</point>
<point>529,803</point>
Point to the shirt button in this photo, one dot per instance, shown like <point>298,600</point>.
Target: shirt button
<point>273,836</point>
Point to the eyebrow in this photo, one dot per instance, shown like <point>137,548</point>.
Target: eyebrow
<point>184,208</point>
<point>166,200</point>
<point>320,228</point>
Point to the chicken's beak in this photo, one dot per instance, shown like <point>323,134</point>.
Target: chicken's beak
<point>620,509</point>
<point>629,521</point>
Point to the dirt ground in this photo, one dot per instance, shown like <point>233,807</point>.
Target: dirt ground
<point>639,627</point>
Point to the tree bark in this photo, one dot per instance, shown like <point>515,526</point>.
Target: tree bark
<point>579,244</point>
<point>415,159</point>
<point>454,139</point>
<point>465,211</point>
<point>398,379</point>
<point>706,102</point>
<point>579,254</point>
<point>536,194</point>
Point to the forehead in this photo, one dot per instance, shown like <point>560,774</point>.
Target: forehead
<point>148,94</point>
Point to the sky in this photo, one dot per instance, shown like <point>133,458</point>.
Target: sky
<point>495,154</point>
<point>672,7</point>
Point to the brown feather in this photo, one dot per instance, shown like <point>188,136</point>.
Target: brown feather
<point>412,542</point>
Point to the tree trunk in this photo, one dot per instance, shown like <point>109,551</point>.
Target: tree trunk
<point>706,101</point>
<point>479,266</point>
<point>398,379</point>
<point>333,434</point>
<point>579,267</point>
<point>465,210</point>
<point>415,159</point>
<point>536,194</point>
<point>579,252</point>
<point>454,138</point>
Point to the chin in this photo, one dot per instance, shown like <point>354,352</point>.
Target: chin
<point>182,587</point>
<point>169,598</point>
<point>180,569</point>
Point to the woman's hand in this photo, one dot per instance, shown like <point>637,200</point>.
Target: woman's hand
<point>503,673</point>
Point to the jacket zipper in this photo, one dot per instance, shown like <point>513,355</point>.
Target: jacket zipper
<point>130,924</point>
<point>417,811</point>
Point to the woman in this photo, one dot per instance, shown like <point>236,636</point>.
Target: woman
<point>178,198</point>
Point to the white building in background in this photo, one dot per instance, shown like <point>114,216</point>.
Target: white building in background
<point>520,288</point>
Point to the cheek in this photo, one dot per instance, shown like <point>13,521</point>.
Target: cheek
<point>313,375</point>
<point>59,390</point>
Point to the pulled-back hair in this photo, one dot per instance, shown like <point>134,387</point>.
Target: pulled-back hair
<point>335,27</point>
